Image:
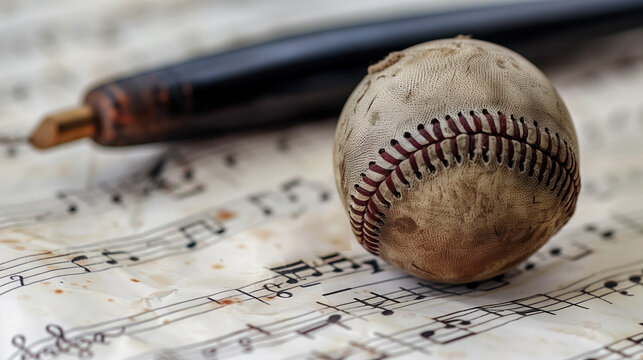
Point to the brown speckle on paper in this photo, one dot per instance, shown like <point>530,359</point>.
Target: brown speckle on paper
<point>230,301</point>
<point>224,215</point>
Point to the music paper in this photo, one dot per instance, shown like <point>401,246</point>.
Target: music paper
<point>239,247</point>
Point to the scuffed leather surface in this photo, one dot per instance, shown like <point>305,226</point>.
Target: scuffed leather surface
<point>476,214</point>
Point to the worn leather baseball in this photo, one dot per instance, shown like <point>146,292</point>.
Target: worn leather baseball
<point>456,159</point>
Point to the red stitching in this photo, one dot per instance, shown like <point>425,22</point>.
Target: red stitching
<point>380,170</point>
<point>438,150</point>
<point>414,164</point>
<point>537,144</point>
<point>390,159</point>
<point>503,123</point>
<point>452,125</point>
<point>454,149</point>
<point>477,122</point>
<point>499,149</point>
<point>516,128</point>
<point>465,124</point>
<point>425,134</point>
<point>366,222</point>
<point>492,124</point>
<point>363,191</point>
<point>437,129</point>
<point>510,155</point>
<point>414,142</point>
<point>400,149</point>
<point>370,182</point>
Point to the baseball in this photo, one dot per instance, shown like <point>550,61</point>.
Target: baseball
<point>456,159</point>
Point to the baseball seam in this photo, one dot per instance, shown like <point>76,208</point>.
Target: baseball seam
<point>511,142</point>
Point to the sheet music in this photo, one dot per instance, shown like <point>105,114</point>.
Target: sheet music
<point>239,247</point>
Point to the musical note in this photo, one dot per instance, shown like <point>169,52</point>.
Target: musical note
<point>293,187</point>
<point>80,346</point>
<point>489,285</point>
<point>334,319</point>
<point>276,288</point>
<point>257,201</point>
<point>72,206</point>
<point>188,174</point>
<point>200,228</point>
<point>18,278</point>
<point>155,172</point>
<point>417,295</point>
<point>448,329</point>
<point>210,352</point>
<point>373,264</point>
<point>78,258</point>
<point>377,301</point>
<point>295,269</point>
<point>113,261</point>
<point>11,143</point>
<point>289,186</point>
<point>334,259</point>
<point>606,234</point>
<point>572,251</point>
<point>246,344</point>
<point>176,177</point>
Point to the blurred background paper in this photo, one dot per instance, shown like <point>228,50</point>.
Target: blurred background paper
<point>238,247</point>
